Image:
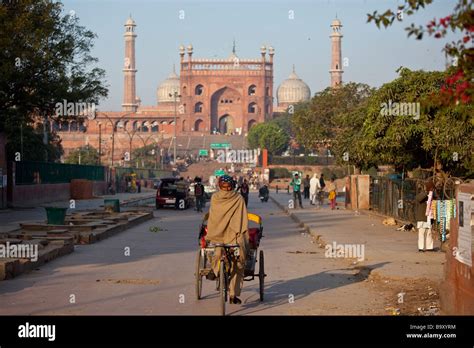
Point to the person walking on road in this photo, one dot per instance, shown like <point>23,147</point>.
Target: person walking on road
<point>314,188</point>
<point>244,191</point>
<point>296,184</point>
<point>228,224</point>
<point>181,190</point>
<point>306,187</point>
<point>199,194</point>
<point>332,189</point>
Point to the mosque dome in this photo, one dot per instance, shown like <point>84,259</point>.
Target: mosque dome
<point>293,90</point>
<point>167,87</point>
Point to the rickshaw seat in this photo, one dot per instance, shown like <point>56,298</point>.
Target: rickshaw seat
<point>253,237</point>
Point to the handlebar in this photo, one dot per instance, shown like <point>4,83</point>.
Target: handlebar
<point>222,245</point>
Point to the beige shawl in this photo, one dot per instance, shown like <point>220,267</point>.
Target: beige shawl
<point>227,217</point>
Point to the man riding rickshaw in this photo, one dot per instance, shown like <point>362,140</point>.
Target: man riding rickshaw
<point>228,224</point>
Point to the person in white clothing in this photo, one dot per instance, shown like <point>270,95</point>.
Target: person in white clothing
<point>424,218</point>
<point>314,187</point>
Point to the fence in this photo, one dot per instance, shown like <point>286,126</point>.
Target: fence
<point>397,198</point>
<point>28,173</point>
<point>142,173</point>
<point>302,160</point>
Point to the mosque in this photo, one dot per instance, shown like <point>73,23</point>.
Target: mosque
<point>208,97</point>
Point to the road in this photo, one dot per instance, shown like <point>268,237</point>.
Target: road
<point>157,275</point>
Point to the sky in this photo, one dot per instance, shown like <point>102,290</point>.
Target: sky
<point>373,54</point>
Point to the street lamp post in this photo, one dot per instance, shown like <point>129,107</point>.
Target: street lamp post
<point>176,96</point>
<point>100,142</point>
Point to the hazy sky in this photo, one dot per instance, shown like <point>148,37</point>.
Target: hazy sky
<point>211,25</point>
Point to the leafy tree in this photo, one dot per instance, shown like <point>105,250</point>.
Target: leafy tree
<point>439,132</point>
<point>268,136</point>
<point>86,155</point>
<point>458,84</point>
<point>147,154</point>
<point>317,121</point>
<point>44,59</point>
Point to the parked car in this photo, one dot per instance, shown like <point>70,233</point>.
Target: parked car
<point>166,194</point>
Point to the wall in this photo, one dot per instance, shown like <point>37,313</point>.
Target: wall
<point>3,166</point>
<point>34,195</point>
<point>457,289</point>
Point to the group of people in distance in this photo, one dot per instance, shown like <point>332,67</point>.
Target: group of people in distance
<point>314,189</point>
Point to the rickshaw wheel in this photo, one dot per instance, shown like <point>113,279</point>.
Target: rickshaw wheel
<point>198,275</point>
<point>261,274</point>
<point>222,286</point>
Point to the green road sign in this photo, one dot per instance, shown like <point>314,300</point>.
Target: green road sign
<point>203,153</point>
<point>219,172</point>
<point>220,146</point>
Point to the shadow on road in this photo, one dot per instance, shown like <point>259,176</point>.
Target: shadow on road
<point>278,293</point>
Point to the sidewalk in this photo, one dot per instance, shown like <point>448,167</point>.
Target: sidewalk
<point>10,218</point>
<point>396,252</point>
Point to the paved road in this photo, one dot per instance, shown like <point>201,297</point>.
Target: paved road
<point>158,275</point>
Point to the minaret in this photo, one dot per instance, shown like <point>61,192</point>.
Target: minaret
<point>129,71</point>
<point>336,60</point>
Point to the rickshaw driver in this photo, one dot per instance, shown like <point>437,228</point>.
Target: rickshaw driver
<point>228,223</point>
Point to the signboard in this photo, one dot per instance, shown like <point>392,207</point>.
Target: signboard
<point>203,153</point>
<point>219,172</point>
<point>464,249</point>
<point>220,146</point>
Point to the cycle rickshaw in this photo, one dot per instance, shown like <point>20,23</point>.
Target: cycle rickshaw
<point>206,251</point>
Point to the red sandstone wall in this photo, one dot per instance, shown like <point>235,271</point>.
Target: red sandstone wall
<point>457,289</point>
<point>3,165</point>
<point>33,195</point>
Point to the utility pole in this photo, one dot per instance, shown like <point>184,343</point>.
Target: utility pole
<point>100,142</point>
<point>176,96</point>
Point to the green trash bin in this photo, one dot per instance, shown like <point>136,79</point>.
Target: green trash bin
<point>114,203</point>
<point>55,215</point>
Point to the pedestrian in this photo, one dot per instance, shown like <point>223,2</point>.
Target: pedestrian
<point>296,184</point>
<point>244,191</point>
<point>199,194</point>
<point>321,182</point>
<point>139,185</point>
<point>424,217</point>
<point>181,190</point>
<point>306,186</point>
<point>332,189</point>
<point>314,188</point>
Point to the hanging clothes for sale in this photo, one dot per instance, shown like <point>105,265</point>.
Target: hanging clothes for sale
<point>443,213</point>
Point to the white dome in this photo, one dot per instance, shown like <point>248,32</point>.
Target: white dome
<point>167,87</point>
<point>293,90</point>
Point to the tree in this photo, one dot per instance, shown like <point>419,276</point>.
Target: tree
<point>268,136</point>
<point>86,155</point>
<point>44,59</point>
<point>437,132</point>
<point>317,121</point>
<point>458,86</point>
